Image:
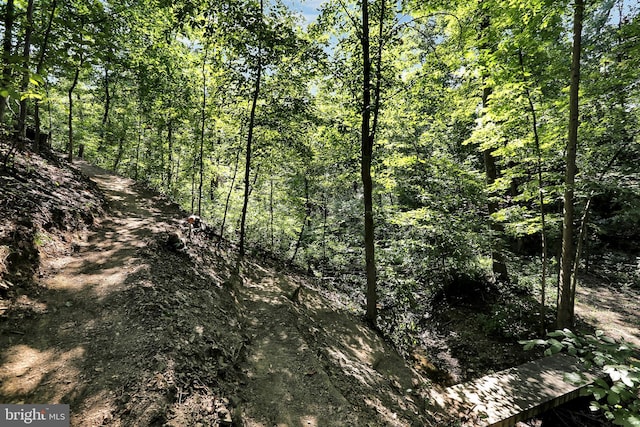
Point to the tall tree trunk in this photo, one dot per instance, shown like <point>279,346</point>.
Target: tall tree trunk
<point>104,133</point>
<point>367,183</point>
<point>226,205</point>
<point>325,215</point>
<point>565,316</point>
<point>271,234</point>
<point>204,107</point>
<point>252,119</point>
<point>39,69</point>
<point>139,144</point>
<point>70,118</point>
<point>6,54</point>
<point>543,219</point>
<point>160,148</point>
<point>499,267</point>
<point>170,165</point>
<point>193,184</point>
<point>22,119</point>
<point>305,222</point>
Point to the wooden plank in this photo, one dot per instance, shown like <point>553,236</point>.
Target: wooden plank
<point>506,397</point>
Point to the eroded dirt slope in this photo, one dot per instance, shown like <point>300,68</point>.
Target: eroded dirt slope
<point>130,331</point>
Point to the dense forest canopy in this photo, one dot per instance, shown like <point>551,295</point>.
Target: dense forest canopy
<point>267,126</point>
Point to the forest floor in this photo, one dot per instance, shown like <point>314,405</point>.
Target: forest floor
<point>101,309</point>
<point>131,329</point>
<point>610,308</point>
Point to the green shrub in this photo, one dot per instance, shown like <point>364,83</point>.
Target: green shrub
<point>619,397</point>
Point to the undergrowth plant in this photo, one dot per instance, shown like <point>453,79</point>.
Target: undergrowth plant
<point>617,392</point>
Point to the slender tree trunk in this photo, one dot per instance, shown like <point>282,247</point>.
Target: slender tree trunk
<point>202,129</point>
<point>162,151</point>
<point>70,118</point>
<point>116,162</point>
<point>271,235</point>
<point>305,222</point>
<point>565,316</point>
<point>543,219</point>
<point>252,118</point>
<point>582,234</point>
<point>6,54</point>
<point>543,232</point>
<point>584,224</point>
<point>104,131</point>
<point>170,165</point>
<point>22,119</point>
<point>325,215</point>
<point>367,183</point>
<point>39,69</point>
<point>139,144</point>
<point>193,184</point>
<point>233,183</point>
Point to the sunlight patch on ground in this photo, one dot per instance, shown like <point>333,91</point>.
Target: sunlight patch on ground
<point>26,368</point>
<point>613,311</point>
<point>97,409</point>
<point>353,367</point>
<point>101,282</point>
<point>25,302</point>
<point>389,416</point>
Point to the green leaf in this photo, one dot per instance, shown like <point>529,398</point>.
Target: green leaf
<point>626,380</point>
<point>599,361</point>
<point>30,95</point>
<point>617,388</point>
<point>630,420</point>
<point>599,393</point>
<point>614,374</point>
<point>613,398</point>
<point>556,346</point>
<point>529,344</point>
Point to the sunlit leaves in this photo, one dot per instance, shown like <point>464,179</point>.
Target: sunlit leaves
<point>617,397</point>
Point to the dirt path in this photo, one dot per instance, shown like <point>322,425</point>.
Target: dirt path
<point>611,309</point>
<point>132,333</point>
<point>311,364</point>
<point>77,342</point>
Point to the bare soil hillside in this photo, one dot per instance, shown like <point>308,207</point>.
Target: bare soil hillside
<point>108,306</point>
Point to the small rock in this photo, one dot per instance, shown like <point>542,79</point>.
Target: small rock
<point>175,242</point>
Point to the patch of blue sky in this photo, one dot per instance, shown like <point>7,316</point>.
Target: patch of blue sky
<point>309,9</point>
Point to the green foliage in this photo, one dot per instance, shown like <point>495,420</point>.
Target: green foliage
<point>618,397</point>
<point>145,66</point>
<point>511,318</point>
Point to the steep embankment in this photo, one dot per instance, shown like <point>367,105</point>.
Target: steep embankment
<point>131,331</point>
